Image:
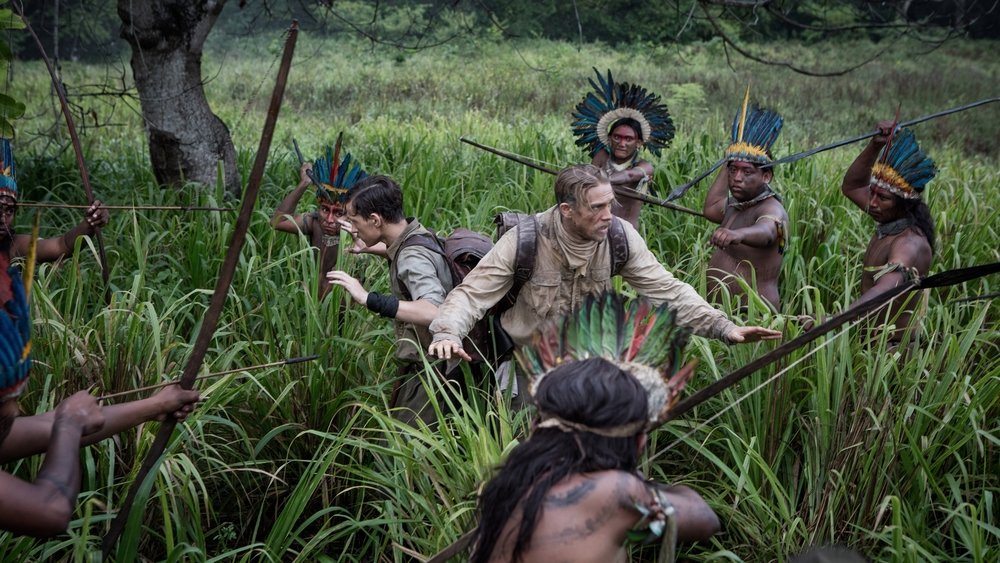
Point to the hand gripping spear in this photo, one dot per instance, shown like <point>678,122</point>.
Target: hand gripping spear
<point>943,279</point>
<point>77,150</point>
<point>226,273</point>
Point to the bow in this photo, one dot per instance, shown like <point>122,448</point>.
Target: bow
<point>77,150</point>
<point>226,273</point>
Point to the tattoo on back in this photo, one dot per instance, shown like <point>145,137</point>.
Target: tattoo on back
<point>572,496</point>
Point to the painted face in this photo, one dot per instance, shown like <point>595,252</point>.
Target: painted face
<point>747,181</point>
<point>883,206</point>
<point>590,219</point>
<point>624,142</point>
<point>363,226</point>
<point>329,212</point>
<point>8,208</point>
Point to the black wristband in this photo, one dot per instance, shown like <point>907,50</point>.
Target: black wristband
<point>385,305</point>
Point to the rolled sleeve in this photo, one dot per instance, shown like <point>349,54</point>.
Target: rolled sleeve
<point>418,274</point>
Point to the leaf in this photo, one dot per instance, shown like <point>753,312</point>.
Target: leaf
<point>10,108</point>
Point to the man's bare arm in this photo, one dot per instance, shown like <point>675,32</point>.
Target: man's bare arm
<point>858,176</point>
<point>715,202</point>
<point>284,218</point>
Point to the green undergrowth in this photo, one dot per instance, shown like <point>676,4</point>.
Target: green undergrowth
<point>892,453</point>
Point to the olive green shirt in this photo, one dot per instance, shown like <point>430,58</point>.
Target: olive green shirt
<point>555,289</point>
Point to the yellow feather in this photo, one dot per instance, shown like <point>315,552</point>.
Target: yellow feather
<point>743,114</point>
<point>29,264</point>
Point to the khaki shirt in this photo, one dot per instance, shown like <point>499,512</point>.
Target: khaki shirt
<point>554,290</point>
<point>426,275</point>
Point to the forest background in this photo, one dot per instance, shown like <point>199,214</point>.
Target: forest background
<point>850,445</point>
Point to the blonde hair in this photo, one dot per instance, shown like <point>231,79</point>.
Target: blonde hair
<point>574,181</point>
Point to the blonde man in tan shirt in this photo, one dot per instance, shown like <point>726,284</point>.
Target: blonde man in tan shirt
<point>573,261</point>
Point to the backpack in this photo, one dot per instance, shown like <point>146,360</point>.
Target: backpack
<point>465,248</point>
<point>462,251</point>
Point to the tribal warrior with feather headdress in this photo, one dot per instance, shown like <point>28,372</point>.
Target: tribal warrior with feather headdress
<point>334,178</point>
<point>613,123</point>
<point>887,180</point>
<point>47,250</point>
<point>601,377</point>
<point>753,224</point>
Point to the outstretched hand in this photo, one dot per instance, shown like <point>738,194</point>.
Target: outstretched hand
<point>744,334</point>
<point>351,284</point>
<point>445,349</point>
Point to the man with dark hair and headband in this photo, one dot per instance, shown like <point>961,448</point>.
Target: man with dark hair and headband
<point>572,490</point>
<point>753,225</point>
<point>48,250</point>
<point>887,181</point>
<point>613,124</point>
<point>334,178</point>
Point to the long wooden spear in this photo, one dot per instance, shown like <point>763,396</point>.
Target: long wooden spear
<point>681,190</point>
<point>943,279</point>
<point>212,375</point>
<point>226,273</point>
<point>77,150</point>
<point>624,192</point>
<point>47,205</point>
<point>842,142</point>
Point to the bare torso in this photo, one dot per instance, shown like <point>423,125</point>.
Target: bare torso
<point>912,252</point>
<point>583,519</point>
<point>760,263</point>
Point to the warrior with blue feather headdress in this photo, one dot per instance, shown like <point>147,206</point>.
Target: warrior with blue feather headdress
<point>750,240</point>
<point>13,245</point>
<point>45,506</point>
<point>888,180</point>
<point>613,124</point>
<point>334,176</point>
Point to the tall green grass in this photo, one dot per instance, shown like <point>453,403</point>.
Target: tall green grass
<point>895,456</point>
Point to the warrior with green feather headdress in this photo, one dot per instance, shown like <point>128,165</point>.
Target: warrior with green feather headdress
<point>334,176</point>
<point>601,378</point>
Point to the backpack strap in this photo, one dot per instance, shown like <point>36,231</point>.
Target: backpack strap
<point>617,246</point>
<point>524,256</point>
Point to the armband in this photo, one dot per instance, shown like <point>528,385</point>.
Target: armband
<point>385,305</point>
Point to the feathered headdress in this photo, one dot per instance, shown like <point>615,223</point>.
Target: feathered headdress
<point>753,133</point>
<point>336,177</point>
<point>642,340</point>
<point>611,102</point>
<point>902,168</point>
<point>15,324</point>
<point>8,174</point>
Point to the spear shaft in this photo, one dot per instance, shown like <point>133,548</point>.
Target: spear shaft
<point>836,144</point>
<point>211,375</point>
<point>222,285</point>
<point>624,192</point>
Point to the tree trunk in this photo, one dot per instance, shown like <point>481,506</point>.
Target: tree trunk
<point>186,140</point>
